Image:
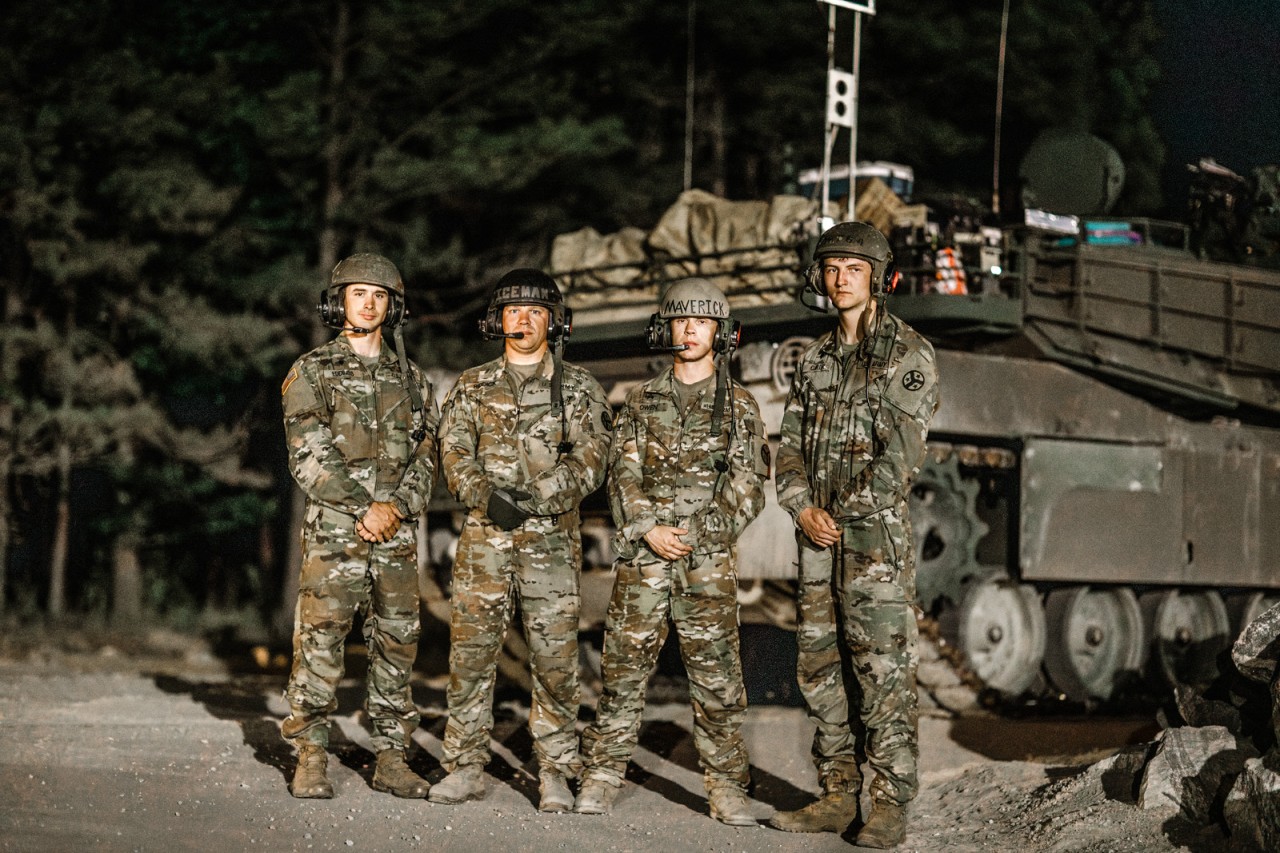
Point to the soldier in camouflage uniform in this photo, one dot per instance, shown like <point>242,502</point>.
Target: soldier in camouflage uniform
<point>687,475</point>
<point>853,438</point>
<point>360,425</point>
<point>523,440</point>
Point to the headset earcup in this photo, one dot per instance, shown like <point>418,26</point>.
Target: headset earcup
<point>889,280</point>
<point>333,312</point>
<point>728,334</point>
<point>396,314</point>
<point>658,333</point>
<point>813,278</point>
<point>491,324</point>
<point>557,326</point>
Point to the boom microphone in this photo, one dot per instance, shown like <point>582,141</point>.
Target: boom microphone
<point>515,336</point>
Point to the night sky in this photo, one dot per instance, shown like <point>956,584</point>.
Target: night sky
<point>1220,92</point>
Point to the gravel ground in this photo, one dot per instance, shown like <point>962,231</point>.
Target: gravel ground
<point>163,746</point>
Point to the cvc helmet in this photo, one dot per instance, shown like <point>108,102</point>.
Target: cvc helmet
<point>527,286</point>
<point>362,268</point>
<point>693,297</point>
<point>368,268</point>
<point>854,240</point>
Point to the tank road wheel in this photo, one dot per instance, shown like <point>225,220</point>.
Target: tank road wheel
<point>1000,628</point>
<point>1246,607</point>
<point>1188,630</point>
<point>1095,640</point>
<point>945,529</point>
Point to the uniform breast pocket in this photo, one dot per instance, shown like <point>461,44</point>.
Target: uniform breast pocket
<point>819,396</point>
<point>352,430</point>
<point>395,411</point>
<point>821,381</point>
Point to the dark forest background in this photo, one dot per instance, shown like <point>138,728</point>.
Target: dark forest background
<point>177,178</point>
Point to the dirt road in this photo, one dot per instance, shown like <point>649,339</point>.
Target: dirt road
<point>102,752</point>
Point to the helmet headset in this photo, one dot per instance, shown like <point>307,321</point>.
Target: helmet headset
<point>693,297</point>
<point>363,268</point>
<point>850,240</point>
<point>527,286</point>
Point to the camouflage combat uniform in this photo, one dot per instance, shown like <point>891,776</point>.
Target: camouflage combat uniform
<point>851,444</point>
<point>348,428</point>
<point>499,433</point>
<point>665,469</point>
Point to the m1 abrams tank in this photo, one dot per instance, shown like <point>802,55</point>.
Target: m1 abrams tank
<point>1099,507</point>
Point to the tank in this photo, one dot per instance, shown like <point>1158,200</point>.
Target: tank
<point>1097,509</point>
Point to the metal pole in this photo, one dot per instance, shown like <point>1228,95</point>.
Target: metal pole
<point>853,128</point>
<point>688,100</point>
<point>826,128</point>
<point>995,169</point>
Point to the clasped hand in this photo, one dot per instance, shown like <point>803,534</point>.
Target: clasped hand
<point>380,523</point>
<point>819,526</point>
<point>667,544</point>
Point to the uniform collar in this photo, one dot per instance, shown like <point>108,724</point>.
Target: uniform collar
<point>545,366</point>
<point>665,383</point>
<point>491,372</point>
<point>830,343</point>
<point>343,345</point>
<point>662,383</point>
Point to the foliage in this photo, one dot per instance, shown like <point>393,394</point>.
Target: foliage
<point>176,180</point>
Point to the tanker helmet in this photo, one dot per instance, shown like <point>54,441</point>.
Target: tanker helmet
<point>368,268</point>
<point>361,268</point>
<point>693,297</point>
<point>526,286</point>
<point>854,240</point>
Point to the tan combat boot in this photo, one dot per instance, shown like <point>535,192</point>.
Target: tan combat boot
<point>309,781</point>
<point>393,776</point>
<point>554,792</point>
<point>465,783</point>
<point>886,827</point>
<point>729,806</point>
<point>596,796</point>
<point>834,811</point>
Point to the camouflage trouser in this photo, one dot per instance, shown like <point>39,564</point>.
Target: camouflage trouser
<point>343,574</point>
<point>703,604</point>
<point>537,564</point>
<point>857,620</point>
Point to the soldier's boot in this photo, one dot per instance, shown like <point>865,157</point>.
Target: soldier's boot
<point>886,827</point>
<point>729,805</point>
<point>393,776</point>
<point>596,796</point>
<point>554,792</point>
<point>309,780</point>
<point>465,783</point>
<point>834,811</point>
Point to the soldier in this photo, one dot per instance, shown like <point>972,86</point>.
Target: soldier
<point>853,437</point>
<point>687,475</point>
<point>523,439</point>
<point>360,423</point>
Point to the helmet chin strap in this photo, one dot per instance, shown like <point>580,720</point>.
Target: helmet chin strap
<point>415,393</point>
<point>557,394</point>
<point>722,389</point>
